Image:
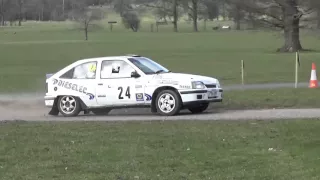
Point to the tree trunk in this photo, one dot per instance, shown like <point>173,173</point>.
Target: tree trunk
<point>86,25</point>
<point>291,21</point>
<point>237,17</point>
<point>195,15</point>
<point>223,11</point>
<point>252,21</point>
<point>2,20</point>
<point>42,13</point>
<point>86,33</point>
<point>20,12</point>
<point>237,22</point>
<point>121,8</point>
<point>175,16</point>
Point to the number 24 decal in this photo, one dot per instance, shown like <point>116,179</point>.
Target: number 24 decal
<point>127,92</point>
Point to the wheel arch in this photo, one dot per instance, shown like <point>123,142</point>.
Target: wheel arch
<point>82,104</point>
<point>157,91</point>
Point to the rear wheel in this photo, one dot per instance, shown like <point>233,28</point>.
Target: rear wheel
<point>168,103</point>
<point>199,109</point>
<point>69,106</point>
<point>101,112</point>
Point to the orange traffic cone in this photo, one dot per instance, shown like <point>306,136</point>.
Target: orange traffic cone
<point>313,80</point>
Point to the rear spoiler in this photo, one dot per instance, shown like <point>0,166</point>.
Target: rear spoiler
<point>49,75</point>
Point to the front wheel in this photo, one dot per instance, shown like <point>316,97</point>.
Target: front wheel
<point>168,103</point>
<point>199,109</point>
<point>69,106</point>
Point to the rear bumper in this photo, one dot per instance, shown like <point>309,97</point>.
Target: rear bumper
<point>49,101</point>
<point>201,96</point>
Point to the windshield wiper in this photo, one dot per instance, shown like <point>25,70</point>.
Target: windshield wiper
<point>159,71</point>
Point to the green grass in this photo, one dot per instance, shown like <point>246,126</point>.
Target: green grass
<point>161,150</point>
<point>39,49</point>
<point>266,99</point>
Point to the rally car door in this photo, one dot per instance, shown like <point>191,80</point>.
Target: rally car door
<point>116,87</point>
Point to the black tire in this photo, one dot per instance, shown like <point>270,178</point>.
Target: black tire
<point>173,96</point>
<point>71,102</point>
<point>101,112</point>
<point>199,109</point>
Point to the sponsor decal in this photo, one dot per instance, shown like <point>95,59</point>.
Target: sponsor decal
<point>139,97</point>
<point>149,98</point>
<point>168,82</point>
<point>185,86</point>
<point>138,86</point>
<point>73,87</point>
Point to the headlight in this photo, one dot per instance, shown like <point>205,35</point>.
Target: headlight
<point>198,85</point>
<point>218,84</point>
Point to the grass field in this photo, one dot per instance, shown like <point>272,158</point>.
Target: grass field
<point>161,150</point>
<point>37,49</point>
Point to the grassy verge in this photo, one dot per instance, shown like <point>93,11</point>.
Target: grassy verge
<point>161,150</point>
<point>28,55</point>
<point>271,98</point>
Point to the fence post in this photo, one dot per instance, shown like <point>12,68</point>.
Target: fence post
<point>242,72</point>
<point>297,68</point>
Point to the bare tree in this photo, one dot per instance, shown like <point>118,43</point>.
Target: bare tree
<point>191,7</point>
<point>85,17</point>
<point>175,15</point>
<point>168,7</point>
<point>237,14</point>
<point>282,14</point>
<point>5,10</point>
<point>211,8</point>
<point>20,4</point>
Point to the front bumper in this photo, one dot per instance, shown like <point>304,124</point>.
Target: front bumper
<point>206,95</point>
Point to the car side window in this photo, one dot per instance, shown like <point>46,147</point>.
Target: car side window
<point>82,71</point>
<point>115,69</point>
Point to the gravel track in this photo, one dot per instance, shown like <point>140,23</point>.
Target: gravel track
<point>30,107</point>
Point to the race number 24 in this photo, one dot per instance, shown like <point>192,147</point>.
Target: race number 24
<point>126,94</point>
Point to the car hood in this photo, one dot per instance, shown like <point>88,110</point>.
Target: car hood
<point>182,76</point>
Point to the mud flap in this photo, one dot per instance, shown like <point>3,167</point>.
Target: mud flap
<point>153,107</point>
<point>86,111</point>
<point>83,106</point>
<point>54,111</point>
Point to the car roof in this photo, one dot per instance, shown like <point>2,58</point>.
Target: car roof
<point>108,58</point>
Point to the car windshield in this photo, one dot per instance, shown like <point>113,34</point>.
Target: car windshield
<point>147,65</point>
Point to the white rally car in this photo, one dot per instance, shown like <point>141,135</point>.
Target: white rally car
<point>101,84</point>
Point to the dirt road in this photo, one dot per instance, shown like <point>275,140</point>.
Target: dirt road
<point>31,107</point>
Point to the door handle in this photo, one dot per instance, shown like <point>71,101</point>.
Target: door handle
<point>100,84</point>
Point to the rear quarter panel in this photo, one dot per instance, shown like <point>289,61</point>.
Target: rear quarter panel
<point>82,88</point>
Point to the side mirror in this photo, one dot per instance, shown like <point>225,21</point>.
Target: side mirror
<point>134,74</point>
